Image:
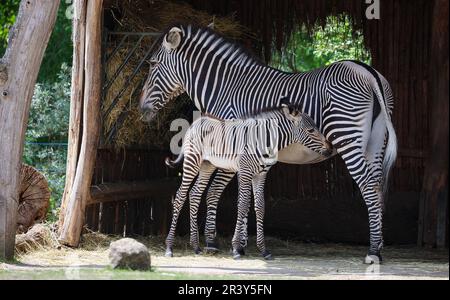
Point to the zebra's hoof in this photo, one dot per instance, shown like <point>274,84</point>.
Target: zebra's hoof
<point>267,255</point>
<point>236,255</point>
<point>211,248</point>
<point>169,253</point>
<point>198,251</point>
<point>373,259</point>
<point>241,251</point>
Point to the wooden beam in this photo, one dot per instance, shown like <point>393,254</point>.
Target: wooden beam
<point>76,101</point>
<point>434,201</point>
<point>76,204</point>
<point>113,192</point>
<point>19,69</point>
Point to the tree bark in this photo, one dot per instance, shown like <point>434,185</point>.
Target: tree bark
<point>76,102</point>
<point>76,204</point>
<point>434,202</point>
<point>19,69</point>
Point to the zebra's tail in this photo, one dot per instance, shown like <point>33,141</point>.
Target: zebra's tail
<point>390,154</point>
<point>173,163</point>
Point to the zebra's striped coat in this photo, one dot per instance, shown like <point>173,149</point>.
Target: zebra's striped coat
<point>248,147</point>
<point>350,102</point>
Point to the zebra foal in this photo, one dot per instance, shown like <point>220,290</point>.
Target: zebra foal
<point>248,147</point>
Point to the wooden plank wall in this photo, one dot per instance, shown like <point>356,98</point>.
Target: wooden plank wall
<point>313,202</point>
<point>142,216</point>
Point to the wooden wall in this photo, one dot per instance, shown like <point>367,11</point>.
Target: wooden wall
<point>314,202</point>
<point>142,216</point>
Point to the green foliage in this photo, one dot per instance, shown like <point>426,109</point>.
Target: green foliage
<point>49,114</point>
<point>48,123</point>
<point>59,49</point>
<point>322,46</point>
<point>8,11</point>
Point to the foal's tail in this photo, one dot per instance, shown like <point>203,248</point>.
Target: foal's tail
<point>173,163</point>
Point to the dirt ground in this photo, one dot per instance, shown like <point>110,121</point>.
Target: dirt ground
<point>292,260</point>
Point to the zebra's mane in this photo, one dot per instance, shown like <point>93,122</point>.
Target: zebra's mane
<point>234,44</point>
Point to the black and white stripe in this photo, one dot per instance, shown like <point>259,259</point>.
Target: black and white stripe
<point>248,147</point>
<point>350,102</point>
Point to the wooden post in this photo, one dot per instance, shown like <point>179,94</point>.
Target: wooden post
<point>434,202</point>
<point>79,194</point>
<point>19,69</point>
<point>76,101</point>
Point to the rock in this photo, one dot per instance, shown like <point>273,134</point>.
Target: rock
<point>129,254</point>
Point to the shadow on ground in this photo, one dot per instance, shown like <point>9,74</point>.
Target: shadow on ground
<point>292,260</point>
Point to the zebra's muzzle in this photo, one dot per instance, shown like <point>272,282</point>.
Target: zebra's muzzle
<point>148,115</point>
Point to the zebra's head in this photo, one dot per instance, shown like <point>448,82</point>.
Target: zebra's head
<point>305,132</point>
<point>163,84</point>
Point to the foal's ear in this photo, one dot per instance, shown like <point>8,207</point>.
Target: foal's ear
<point>291,113</point>
<point>173,38</point>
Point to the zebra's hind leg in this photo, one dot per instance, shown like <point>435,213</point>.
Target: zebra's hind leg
<point>190,171</point>
<point>369,184</point>
<point>372,195</point>
<point>258,191</point>
<point>220,181</point>
<point>195,195</point>
<point>375,187</point>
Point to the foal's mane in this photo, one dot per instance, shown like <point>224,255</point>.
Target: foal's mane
<point>263,114</point>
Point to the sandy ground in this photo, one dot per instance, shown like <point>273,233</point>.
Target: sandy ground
<point>292,260</point>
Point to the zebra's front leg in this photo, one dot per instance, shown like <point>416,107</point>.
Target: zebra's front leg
<point>195,196</point>
<point>244,197</point>
<point>218,185</point>
<point>258,191</point>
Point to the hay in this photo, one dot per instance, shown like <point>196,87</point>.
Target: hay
<point>134,128</point>
<point>150,16</point>
<point>39,237</point>
<point>133,131</point>
<point>157,15</point>
<point>93,241</point>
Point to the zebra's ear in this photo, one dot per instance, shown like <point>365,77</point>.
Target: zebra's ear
<point>290,113</point>
<point>173,38</point>
<point>286,110</point>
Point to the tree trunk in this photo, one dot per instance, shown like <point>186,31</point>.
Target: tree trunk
<point>19,69</point>
<point>76,102</point>
<point>76,204</point>
<point>434,202</point>
<point>34,198</point>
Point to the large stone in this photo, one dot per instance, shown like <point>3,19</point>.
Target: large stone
<point>129,254</point>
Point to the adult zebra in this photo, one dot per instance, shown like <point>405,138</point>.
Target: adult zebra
<point>350,102</point>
